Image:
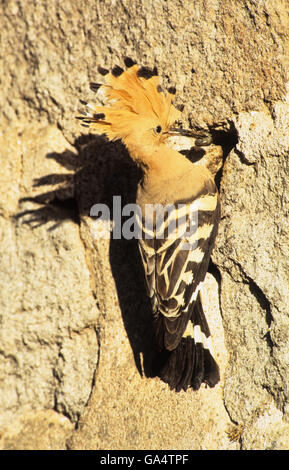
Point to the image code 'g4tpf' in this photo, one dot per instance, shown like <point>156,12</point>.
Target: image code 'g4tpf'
<point>142,115</point>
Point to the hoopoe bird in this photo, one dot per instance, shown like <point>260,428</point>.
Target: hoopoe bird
<point>175,262</point>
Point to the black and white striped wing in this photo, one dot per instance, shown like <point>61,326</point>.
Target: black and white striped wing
<point>175,267</point>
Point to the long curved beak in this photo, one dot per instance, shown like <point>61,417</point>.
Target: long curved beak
<point>185,132</point>
<point>203,139</point>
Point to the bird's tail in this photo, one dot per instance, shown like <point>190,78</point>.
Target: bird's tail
<point>192,361</point>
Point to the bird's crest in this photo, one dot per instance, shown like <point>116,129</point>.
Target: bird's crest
<point>135,98</point>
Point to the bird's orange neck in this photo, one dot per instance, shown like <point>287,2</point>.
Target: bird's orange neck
<point>157,161</point>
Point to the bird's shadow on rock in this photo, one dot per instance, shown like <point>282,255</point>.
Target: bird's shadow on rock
<point>101,170</point>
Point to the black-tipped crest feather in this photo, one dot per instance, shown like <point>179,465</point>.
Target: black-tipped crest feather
<point>102,70</point>
<point>129,62</point>
<point>94,86</point>
<point>117,71</point>
<point>147,73</point>
<point>172,90</point>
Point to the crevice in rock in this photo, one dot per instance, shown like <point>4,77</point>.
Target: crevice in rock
<point>261,299</point>
<point>214,270</point>
<point>265,305</point>
<point>57,376</point>
<point>97,333</point>
<point>240,154</point>
<point>228,140</point>
<point>243,159</point>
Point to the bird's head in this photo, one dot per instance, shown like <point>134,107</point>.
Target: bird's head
<point>137,111</point>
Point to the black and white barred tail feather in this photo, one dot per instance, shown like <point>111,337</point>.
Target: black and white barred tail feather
<point>192,362</point>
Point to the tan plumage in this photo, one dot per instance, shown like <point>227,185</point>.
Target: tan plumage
<point>142,116</point>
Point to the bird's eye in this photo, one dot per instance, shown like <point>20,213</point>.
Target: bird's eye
<point>158,129</point>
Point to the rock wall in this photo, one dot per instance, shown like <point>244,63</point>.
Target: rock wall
<point>76,342</point>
